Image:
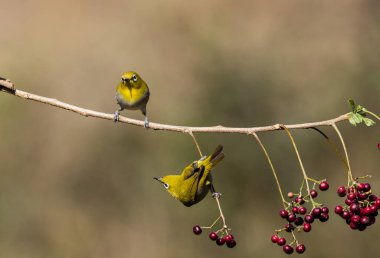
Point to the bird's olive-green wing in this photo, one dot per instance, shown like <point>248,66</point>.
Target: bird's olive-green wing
<point>190,170</point>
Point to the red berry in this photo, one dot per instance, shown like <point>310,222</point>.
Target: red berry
<point>346,215</point>
<point>364,220</point>
<point>228,237</point>
<point>300,248</point>
<point>351,196</point>
<point>355,219</point>
<point>316,212</point>
<point>341,191</point>
<point>360,187</point>
<point>281,241</point>
<point>323,186</point>
<point>291,217</point>
<point>284,214</point>
<point>300,200</point>
<point>220,241</point>
<point>338,210</point>
<point>313,193</point>
<point>353,225</point>
<point>309,218</point>
<point>325,210</point>
<point>362,196</point>
<point>298,221</point>
<point>295,209</point>
<point>302,210</point>
<point>348,202</point>
<point>213,236</point>
<point>355,208</point>
<point>197,230</point>
<point>274,238</point>
<point>287,249</point>
<point>377,202</point>
<point>231,243</point>
<point>306,227</point>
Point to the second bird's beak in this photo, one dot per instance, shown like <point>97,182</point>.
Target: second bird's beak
<point>158,179</point>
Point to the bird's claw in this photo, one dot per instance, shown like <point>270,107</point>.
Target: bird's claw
<point>216,195</point>
<point>146,123</point>
<point>116,116</point>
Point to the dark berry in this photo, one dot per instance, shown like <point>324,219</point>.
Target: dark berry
<point>287,249</point>
<point>302,210</point>
<point>284,214</point>
<point>298,221</point>
<point>213,236</point>
<point>323,186</point>
<point>309,218</point>
<point>197,230</point>
<point>367,187</point>
<point>316,212</point>
<point>281,241</point>
<point>325,210</point>
<point>221,241</point>
<point>353,225</point>
<point>300,248</point>
<point>231,243</point>
<point>324,217</point>
<point>274,238</point>
<point>338,210</point>
<point>313,193</point>
<point>291,217</point>
<point>306,227</point>
<point>341,191</point>
<point>299,200</point>
<point>289,227</point>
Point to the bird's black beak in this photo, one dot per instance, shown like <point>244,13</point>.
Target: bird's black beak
<point>124,80</point>
<point>158,179</point>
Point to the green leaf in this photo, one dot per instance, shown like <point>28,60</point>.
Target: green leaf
<point>357,118</point>
<point>352,104</point>
<point>368,122</point>
<point>352,121</point>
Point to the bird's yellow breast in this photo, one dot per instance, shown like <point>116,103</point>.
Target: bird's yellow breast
<point>130,95</point>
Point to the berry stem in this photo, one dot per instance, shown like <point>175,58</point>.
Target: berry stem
<point>300,161</point>
<point>216,197</point>
<point>350,177</point>
<point>272,168</point>
<point>213,224</point>
<point>333,145</point>
<point>195,141</point>
<point>371,113</point>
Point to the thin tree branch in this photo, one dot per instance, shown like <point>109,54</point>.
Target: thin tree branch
<point>8,87</point>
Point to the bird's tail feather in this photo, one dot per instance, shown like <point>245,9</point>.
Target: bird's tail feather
<point>213,159</point>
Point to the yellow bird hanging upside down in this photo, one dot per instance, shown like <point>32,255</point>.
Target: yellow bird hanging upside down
<point>132,93</point>
<point>195,181</point>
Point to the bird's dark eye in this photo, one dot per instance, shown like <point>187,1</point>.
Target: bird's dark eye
<point>134,78</point>
<point>166,185</point>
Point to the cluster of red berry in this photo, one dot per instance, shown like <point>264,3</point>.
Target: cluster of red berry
<point>227,239</point>
<point>361,206</point>
<point>298,218</point>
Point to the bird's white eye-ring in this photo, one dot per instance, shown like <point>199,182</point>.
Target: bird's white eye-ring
<point>166,185</point>
<point>134,78</point>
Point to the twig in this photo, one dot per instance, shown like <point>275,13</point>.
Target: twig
<point>5,86</point>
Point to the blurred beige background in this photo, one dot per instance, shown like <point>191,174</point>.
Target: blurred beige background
<point>72,186</point>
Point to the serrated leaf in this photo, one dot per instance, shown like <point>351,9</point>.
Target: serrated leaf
<point>368,121</point>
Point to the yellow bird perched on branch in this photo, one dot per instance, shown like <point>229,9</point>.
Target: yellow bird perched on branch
<point>132,93</point>
<point>195,181</point>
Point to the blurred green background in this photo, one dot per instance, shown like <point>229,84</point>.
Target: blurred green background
<point>72,186</point>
